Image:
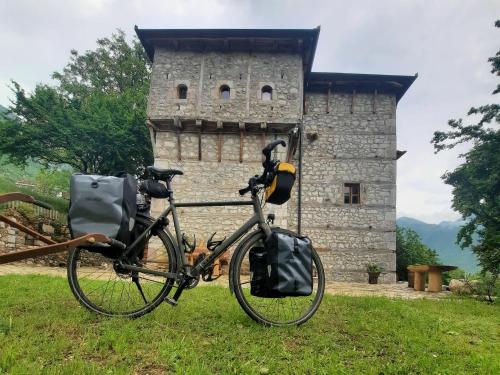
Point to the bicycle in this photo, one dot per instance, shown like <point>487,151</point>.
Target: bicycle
<point>155,262</point>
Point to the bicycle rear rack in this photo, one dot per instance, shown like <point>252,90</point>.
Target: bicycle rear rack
<point>52,246</point>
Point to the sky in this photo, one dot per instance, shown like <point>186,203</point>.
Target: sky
<point>447,42</point>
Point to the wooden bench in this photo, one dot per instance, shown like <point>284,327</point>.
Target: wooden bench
<point>435,272</point>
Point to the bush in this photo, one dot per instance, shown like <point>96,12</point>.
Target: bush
<point>411,250</point>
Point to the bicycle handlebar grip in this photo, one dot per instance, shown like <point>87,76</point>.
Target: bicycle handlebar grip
<point>244,190</point>
<point>43,205</point>
<point>267,150</point>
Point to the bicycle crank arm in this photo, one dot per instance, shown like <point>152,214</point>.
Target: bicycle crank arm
<point>168,275</point>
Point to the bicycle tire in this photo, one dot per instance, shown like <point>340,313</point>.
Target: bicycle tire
<point>89,300</point>
<point>248,302</point>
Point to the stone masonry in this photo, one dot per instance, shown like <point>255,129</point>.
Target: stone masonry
<point>347,122</point>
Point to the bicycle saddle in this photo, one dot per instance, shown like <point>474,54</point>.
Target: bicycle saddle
<point>163,174</point>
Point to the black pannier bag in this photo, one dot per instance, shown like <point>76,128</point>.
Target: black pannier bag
<point>103,204</point>
<point>259,283</point>
<point>289,259</point>
<point>282,267</point>
<point>281,186</point>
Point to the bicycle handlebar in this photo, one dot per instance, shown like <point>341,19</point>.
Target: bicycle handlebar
<point>270,147</point>
<point>267,164</point>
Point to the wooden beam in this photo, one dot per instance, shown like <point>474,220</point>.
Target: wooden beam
<point>179,150</point>
<point>219,147</point>
<point>219,140</point>
<point>51,248</point>
<point>353,100</point>
<point>151,124</point>
<point>199,125</point>
<point>242,136</point>
<point>263,143</point>
<point>199,146</point>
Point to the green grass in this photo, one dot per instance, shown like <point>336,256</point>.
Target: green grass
<point>43,330</point>
<point>59,204</point>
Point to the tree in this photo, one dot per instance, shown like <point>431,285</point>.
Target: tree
<point>93,119</point>
<point>53,182</point>
<point>411,250</point>
<point>476,182</point>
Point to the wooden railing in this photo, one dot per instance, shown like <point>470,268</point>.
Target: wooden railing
<point>38,211</point>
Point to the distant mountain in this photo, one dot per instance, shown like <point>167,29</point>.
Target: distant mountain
<point>441,238</point>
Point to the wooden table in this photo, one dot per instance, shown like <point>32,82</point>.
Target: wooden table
<point>435,272</point>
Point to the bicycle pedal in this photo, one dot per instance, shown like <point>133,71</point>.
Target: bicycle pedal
<point>172,302</point>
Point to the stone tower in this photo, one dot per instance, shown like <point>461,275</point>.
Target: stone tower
<point>218,96</point>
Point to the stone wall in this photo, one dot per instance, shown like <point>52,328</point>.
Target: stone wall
<point>210,180</point>
<point>244,73</point>
<point>343,147</point>
<point>355,142</point>
<point>12,239</point>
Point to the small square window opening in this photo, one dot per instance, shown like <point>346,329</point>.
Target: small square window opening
<point>351,193</point>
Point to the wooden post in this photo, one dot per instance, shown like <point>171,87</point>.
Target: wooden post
<point>374,103</point>
<point>419,281</point>
<point>219,141</point>
<point>199,124</point>
<point>242,135</point>
<point>263,126</point>
<point>178,125</point>
<point>435,281</point>
<point>179,151</point>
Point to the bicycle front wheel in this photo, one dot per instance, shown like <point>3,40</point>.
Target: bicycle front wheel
<point>281,311</point>
<point>102,287</point>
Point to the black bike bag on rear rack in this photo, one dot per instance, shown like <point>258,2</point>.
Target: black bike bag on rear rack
<point>103,204</point>
<point>289,260</point>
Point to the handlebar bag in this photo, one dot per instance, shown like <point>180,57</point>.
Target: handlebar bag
<point>102,204</point>
<point>282,183</point>
<point>289,260</point>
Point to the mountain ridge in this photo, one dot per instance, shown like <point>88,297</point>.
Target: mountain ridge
<point>441,238</point>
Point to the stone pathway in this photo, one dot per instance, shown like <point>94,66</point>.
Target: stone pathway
<point>398,290</point>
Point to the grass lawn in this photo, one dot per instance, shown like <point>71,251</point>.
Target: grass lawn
<point>43,330</point>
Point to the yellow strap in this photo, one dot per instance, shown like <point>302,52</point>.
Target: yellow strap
<point>286,167</point>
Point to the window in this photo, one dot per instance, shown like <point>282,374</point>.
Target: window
<point>266,93</point>
<point>351,194</point>
<point>182,92</point>
<point>225,92</point>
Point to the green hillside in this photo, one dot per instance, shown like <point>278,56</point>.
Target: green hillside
<point>10,173</point>
<point>441,238</point>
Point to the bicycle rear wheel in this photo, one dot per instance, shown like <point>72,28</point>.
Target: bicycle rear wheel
<point>101,286</point>
<point>274,311</point>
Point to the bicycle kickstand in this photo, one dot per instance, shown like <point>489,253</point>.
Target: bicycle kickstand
<point>183,284</point>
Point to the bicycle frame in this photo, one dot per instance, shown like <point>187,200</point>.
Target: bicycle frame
<point>256,219</point>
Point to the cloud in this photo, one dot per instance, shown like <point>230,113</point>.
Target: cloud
<point>447,42</point>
